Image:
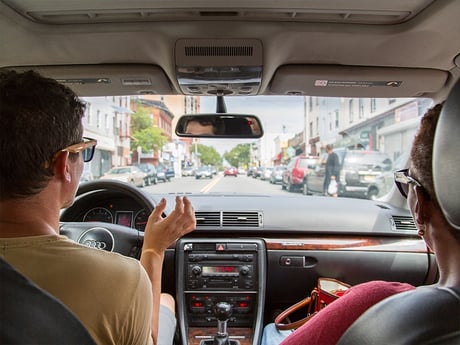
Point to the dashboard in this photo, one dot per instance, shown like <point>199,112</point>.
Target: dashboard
<point>246,247</point>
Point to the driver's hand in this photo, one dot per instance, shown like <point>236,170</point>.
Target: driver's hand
<point>161,232</point>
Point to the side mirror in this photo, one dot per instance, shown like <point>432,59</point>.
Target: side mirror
<point>219,126</point>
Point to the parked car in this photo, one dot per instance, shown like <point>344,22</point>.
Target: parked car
<point>257,173</point>
<point>276,175</point>
<point>384,182</point>
<point>358,172</point>
<point>266,173</point>
<point>250,171</point>
<point>231,171</point>
<point>295,171</point>
<point>129,174</point>
<point>188,171</point>
<point>150,173</point>
<point>203,172</point>
<point>164,173</point>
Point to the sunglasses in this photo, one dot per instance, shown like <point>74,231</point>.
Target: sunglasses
<point>402,181</point>
<point>86,147</point>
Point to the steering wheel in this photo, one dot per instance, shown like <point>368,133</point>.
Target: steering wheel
<point>107,236</point>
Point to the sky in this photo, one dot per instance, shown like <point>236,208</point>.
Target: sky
<point>278,114</point>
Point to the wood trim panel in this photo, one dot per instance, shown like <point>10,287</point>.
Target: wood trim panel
<point>375,244</point>
<point>196,334</point>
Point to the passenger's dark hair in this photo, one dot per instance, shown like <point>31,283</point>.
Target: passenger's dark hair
<point>422,150</point>
<point>38,117</point>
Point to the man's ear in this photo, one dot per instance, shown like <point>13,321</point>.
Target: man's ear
<point>421,209</point>
<point>61,169</point>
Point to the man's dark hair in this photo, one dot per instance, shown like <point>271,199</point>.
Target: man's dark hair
<point>38,117</point>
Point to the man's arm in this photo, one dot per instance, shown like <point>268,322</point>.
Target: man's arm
<point>159,234</point>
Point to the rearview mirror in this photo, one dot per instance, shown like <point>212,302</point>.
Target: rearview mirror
<point>219,126</point>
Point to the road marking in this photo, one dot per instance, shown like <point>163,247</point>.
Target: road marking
<point>211,184</point>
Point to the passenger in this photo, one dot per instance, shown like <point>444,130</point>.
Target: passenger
<point>429,314</point>
<point>330,323</point>
<point>118,299</point>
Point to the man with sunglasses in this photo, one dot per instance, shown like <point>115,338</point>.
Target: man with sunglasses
<point>43,152</point>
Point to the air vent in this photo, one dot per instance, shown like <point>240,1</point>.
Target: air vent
<point>252,219</point>
<point>246,219</point>
<point>218,51</point>
<point>207,219</point>
<point>403,223</point>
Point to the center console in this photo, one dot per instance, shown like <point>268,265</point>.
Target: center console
<point>212,271</point>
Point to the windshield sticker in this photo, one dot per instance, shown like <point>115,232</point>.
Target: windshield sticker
<point>357,83</point>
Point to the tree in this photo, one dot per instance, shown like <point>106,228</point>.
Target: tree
<point>239,156</point>
<point>209,155</point>
<point>144,133</point>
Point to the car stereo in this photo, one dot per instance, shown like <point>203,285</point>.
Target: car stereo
<point>210,271</point>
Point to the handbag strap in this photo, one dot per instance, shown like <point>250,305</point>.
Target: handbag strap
<point>308,302</point>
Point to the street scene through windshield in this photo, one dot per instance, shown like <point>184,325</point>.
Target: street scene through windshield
<point>368,135</point>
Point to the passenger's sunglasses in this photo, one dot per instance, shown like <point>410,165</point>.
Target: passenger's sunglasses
<point>402,181</point>
<point>86,147</point>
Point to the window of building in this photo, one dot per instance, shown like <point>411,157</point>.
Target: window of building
<point>350,110</point>
<point>361,108</point>
<point>88,113</point>
<point>373,105</point>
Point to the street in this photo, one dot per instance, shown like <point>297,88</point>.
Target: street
<point>218,184</point>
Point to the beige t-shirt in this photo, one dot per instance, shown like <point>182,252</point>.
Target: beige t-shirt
<point>109,293</point>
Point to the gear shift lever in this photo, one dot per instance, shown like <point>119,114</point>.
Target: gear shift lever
<point>222,311</point>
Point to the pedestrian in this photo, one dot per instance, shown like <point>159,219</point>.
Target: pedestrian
<point>332,171</point>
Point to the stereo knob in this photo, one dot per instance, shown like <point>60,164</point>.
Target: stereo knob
<point>244,270</point>
<point>196,270</point>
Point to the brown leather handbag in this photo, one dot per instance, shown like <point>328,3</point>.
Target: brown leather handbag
<point>327,291</point>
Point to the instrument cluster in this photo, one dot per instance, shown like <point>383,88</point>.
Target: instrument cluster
<point>109,214</point>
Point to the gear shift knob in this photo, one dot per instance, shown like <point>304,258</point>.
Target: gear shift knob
<point>222,311</point>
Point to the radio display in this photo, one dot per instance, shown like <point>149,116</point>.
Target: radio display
<point>220,270</point>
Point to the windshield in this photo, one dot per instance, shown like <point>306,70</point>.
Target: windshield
<point>133,130</point>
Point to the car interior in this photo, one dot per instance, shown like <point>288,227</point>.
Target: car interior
<point>258,253</point>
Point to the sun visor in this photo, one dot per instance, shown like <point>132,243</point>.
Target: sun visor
<point>107,79</point>
<point>352,81</point>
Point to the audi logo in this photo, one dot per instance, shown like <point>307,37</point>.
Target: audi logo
<point>97,238</point>
<point>95,244</point>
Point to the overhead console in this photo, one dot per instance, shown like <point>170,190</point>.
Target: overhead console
<point>220,276</point>
<point>219,66</point>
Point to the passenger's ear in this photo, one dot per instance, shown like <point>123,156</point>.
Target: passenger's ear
<point>421,209</point>
<point>61,168</point>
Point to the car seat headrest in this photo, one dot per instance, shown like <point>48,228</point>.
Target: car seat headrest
<point>446,154</point>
